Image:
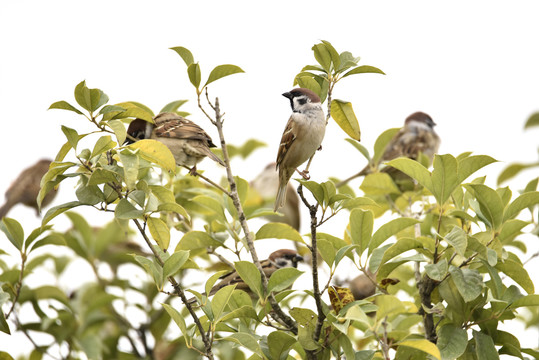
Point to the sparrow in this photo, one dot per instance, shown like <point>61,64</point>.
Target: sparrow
<point>187,141</point>
<point>363,286</point>
<point>279,259</point>
<point>415,137</point>
<point>25,188</point>
<point>265,184</point>
<point>301,138</point>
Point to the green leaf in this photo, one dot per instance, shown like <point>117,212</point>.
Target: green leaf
<point>415,170</point>
<point>532,121</point>
<point>193,70</point>
<point>401,246</point>
<point>156,152</point>
<point>279,344</point>
<point>194,240</point>
<point>444,177</point>
<point>388,305</point>
<point>282,279</point>
<point>246,340</point>
<point>315,189</point>
<point>250,274</point>
<point>423,345</point>
<point>484,347</point>
<point>361,225</point>
<point>104,143</point>
<point>381,143</point>
<point>389,229</point>
<point>364,69</point>
<point>173,106</point>
<point>457,239</point>
<point>491,204</point>
<point>89,99</point>
<point>323,56</point>
<point>152,269</point>
<point>362,149</point>
<point>221,71</point>
<point>57,210</point>
<point>310,83</point>
<point>343,114</point>
<point>468,281</point>
<point>379,184</point>
<point>452,341</point>
<point>471,164</point>
<point>220,300</point>
<point>437,271</point>
<point>14,231</point>
<point>520,203</point>
<point>131,109</point>
<point>178,319</point>
<point>516,271</point>
<point>335,58</point>
<point>185,54</point>
<point>119,130</point>
<point>160,232</point>
<point>278,231</point>
<point>125,211</point>
<point>64,105</point>
<point>526,300</point>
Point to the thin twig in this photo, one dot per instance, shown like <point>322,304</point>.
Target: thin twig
<point>209,181</point>
<point>18,286</point>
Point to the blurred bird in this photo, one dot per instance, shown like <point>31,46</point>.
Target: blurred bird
<point>363,286</point>
<point>279,259</point>
<point>302,136</point>
<point>25,188</point>
<point>415,137</point>
<point>266,184</point>
<point>187,141</point>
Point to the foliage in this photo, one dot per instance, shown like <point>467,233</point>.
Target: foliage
<point>444,251</point>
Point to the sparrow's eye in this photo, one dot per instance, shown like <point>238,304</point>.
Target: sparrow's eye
<point>302,101</point>
<point>282,263</point>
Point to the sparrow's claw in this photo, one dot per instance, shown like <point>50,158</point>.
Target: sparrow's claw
<point>193,171</point>
<point>304,174</point>
<point>320,148</point>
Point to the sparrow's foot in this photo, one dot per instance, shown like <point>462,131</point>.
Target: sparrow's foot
<point>193,171</point>
<point>304,174</point>
<point>320,148</point>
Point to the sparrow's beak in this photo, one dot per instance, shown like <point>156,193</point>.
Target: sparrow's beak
<point>287,95</point>
<point>297,259</point>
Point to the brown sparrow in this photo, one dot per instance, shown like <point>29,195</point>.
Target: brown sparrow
<point>26,187</point>
<point>363,286</point>
<point>265,184</point>
<point>415,137</point>
<point>186,140</point>
<point>279,259</point>
<point>302,136</point>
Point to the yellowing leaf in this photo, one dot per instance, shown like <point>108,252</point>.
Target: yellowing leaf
<point>156,152</point>
<point>423,345</point>
<point>339,297</point>
<point>160,232</point>
<point>343,114</point>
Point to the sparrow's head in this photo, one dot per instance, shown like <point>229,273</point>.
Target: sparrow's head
<point>302,99</point>
<point>137,130</point>
<point>285,258</point>
<point>420,117</point>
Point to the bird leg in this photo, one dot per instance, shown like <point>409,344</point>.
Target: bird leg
<point>193,171</point>
<point>304,174</point>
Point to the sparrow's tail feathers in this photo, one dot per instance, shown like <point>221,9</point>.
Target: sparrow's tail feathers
<point>214,157</point>
<point>5,209</point>
<point>281,197</point>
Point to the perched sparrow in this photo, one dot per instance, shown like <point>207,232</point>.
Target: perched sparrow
<point>266,184</point>
<point>302,136</point>
<point>279,259</point>
<point>415,137</point>
<point>26,187</point>
<point>186,140</point>
<point>363,286</point>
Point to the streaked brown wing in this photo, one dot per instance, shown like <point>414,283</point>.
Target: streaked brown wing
<point>286,141</point>
<point>181,128</point>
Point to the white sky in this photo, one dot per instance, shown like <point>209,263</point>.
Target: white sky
<point>473,66</point>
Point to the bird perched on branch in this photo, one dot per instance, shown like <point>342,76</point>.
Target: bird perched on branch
<point>415,137</point>
<point>25,188</point>
<point>266,184</point>
<point>301,138</point>
<point>279,259</point>
<point>187,141</point>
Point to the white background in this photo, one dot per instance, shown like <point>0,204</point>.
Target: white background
<point>473,66</point>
